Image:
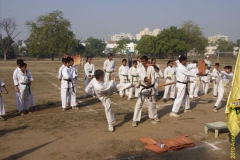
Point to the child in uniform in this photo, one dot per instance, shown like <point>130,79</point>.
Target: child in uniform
<point>89,74</point>
<point>133,77</point>
<point>123,76</point>
<point>215,87</point>
<point>158,73</point>
<point>205,81</point>
<point>194,83</point>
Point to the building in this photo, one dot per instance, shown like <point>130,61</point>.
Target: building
<point>146,31</point>
<point>130,47</point>
<point>117,37</point>
<point>211,50</point>
<point>217,37</point>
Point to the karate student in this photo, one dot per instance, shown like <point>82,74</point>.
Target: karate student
<point>60,70</point>
<point>147,91</point>
<point>139,63</point>
<point>2,109</point>
<point>224,78</point>
<point>205,81</point>
<point>169,76</point>
<point>133,77</point>
<point>103,91</point>
<point>158,73</point>
<point>109,67</point>
<point>215,87</point>
<point>123,76</point>
<point>208,62</point>
<point>74,73</point>
<point>89,74</point>
<point>23,89</point>
<point>182,74</point>
<point>194,83</point>
<point>67,86</point>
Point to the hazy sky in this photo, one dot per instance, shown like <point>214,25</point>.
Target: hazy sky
<point>101,18</point>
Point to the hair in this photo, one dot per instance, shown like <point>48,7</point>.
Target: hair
<point>110,54</point>
<point>144,57</point>
<point>135,61</point>
<point>170,61</point>
<point>124,60</point>
<point>66,60</point>
<point>228,67</point>
<point>19,61</point>
<point>63,59</point>
<point>70,59</point>
<point>98,73</point>
<point>153,59</point>
<point>182,58</point>
<point>87,58</point>
<point>217,64</point>
<point>194,61</point>
<point>21,65</point>
<point>138,57</point>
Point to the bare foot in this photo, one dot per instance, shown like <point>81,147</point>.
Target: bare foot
<point>22,114</point>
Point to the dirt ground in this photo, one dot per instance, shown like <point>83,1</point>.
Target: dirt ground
<point>51,133</point>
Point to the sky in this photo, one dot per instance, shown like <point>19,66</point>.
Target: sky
<point>102,18</point>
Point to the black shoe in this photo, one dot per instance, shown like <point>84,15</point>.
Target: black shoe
<point>164,100</point>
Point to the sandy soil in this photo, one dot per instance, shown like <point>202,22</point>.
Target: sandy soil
<point>50,133</point>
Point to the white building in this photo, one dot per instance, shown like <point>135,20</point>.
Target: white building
<point>117,37</point>
<point>217,37</point>
<point>146,31</point>
<point>130,47</point>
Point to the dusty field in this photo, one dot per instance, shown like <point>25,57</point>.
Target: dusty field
<point>50,133</point>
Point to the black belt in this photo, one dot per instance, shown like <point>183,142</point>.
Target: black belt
<point>69,80</point>
<point>146,87</point>
<point>89,71</point>
<point>186,86</point>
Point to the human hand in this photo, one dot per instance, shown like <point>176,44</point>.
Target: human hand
<point>16,89</point>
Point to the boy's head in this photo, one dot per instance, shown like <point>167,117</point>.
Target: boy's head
<point>216,65</point>
<point>99,75</point>
<point>23,67</point>
<point>170,63</point>
<point>138,58</point>
<point>71,60</point>
<point>63,60</point>
<point>124,62</point>
<point>66,62</point>
<point>135,63</point>
<point>19,61</point>
<point>144,60</point>
<point>88,59</point>
<point>153,60</point>
<point>110,56</point>
<point>183,59</point>
<point>228,69</point>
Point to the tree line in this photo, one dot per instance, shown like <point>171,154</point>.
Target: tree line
<point>51,35</point>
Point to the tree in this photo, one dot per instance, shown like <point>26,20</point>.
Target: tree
<point>225,46</point>
<point>78,47</point>
<point>147,45</point>
<point>94,46</point>
<point>50,35</point>
<point>194,36</point>
<point>238,43</point>
<point>121,46</point>
<point>9,26</point>
<point>172,41</point>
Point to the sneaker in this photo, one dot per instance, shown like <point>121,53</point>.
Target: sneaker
<point>110,128</point>
<point>187,110</point>
<point>134,124</point>
<point>215,109</point>
<point>164,100</point>
<point>172,114</point>
<point>157,120</point>
<point>64,109</point>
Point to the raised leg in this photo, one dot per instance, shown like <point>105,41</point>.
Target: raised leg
<point>206,130</point>
<point>216,133</point>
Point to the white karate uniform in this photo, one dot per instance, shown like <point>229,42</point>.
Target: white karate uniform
<point>194,84</point>
<point>169,76</point>
<point>223,80</point>
<point>139,64</point>
<point>109,66</point>
<point>103,91</point>
<point>89,71</point>
<point>74,73</point>
<point>60,72</point>
<point>24,91</point>
<point>181,75</point>
<point>215,86</point>
<point>148,94</point>
<point>133,77</point>
<point>31,97</point>
<point>157,75</point>
<point>205,82</point>
<point>2,109</point>
<point>208,62</point>
<point>67,87</point>
<point>123,76</point>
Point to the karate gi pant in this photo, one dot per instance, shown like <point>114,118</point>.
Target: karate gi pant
<point>131,91</point>
<point>155,86</point>
<point>172,91</point>
<point>86,82</point>
<point>205,87</point>
<point>22,98</point>
<point>152,110</point>
<point>221,90</point>
<point>107,77</point>
<point>64,94</point>
<point>215,89</point>
<point>182,97</point>
<point>2,109</point>
<point>123,80</point>
<point>193,89</point>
